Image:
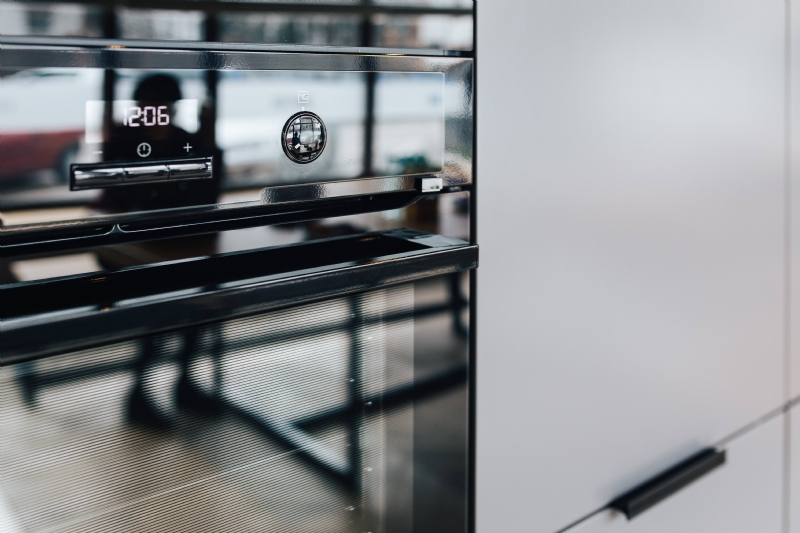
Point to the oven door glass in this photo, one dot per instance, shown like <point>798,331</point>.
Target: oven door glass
<point>345,415</point>
<point>97,144</point>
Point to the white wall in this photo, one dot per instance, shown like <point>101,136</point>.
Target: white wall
<point>632,230</point>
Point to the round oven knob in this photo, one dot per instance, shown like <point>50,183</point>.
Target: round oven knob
<point>304,137</point>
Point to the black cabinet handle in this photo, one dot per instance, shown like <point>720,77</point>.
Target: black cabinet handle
<point>664,485</point>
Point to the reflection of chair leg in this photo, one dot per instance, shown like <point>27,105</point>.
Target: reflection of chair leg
<point>457,303</point>
<point>141,408</point>
<point>26,377</point>
<point>216,357</point>
<point>189,395</point>
<point>355,396</point>
<point>348,469</point>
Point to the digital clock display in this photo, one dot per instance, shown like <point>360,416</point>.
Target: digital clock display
<point>146,116</point>
<point>139,116</point>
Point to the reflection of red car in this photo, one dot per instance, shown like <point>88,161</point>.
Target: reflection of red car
<point>23,153</point>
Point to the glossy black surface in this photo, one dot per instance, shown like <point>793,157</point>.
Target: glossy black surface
<point>348,414</point>
<point>76,235</point>
<point>369,132</point>
<point>422,26</point>
<point>109,287</point>
<point>55,315</point>
<point>320,386</point>
<point>389,110</point>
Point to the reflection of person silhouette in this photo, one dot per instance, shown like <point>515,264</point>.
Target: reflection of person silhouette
<point>167,142</point>
<point>141,407</point>
<point>149,133</point>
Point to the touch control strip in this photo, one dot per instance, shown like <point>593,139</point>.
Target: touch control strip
<point>96,176</point>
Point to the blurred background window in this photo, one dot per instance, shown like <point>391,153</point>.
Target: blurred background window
<point>160,24</point>
<point>427,24</point>
<point>52,19</point>
<point>280,28</point>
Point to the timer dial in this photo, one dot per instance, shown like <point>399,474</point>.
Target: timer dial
<point>304,137</point>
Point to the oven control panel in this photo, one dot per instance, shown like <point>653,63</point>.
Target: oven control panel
<point>154,131</point>
<point>100,176</point>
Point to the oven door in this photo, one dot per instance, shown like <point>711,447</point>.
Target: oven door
<point>320,387</point>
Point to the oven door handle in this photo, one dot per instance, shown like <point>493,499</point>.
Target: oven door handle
<point>56,316</point>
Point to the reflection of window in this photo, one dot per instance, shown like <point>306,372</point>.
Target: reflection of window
<point>38,21</point>
<point>447,32</point>
<point>450,32</point>
<point>462,4</point>
<point>160,24</point>
<point>276,28</point>
<point>432,24</point>
<point>49,19</point>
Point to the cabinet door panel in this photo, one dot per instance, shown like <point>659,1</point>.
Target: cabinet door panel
<point>794,470</point>
<point>741,496</point>
<point>631,228</point>
<point>794,160</point>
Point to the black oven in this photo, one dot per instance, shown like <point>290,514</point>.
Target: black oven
<point>237,266</point>
<point>143,138</point>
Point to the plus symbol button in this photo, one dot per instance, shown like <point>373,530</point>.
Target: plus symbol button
<point>187,147</point>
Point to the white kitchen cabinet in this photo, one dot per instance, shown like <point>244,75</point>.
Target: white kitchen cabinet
<point>631,223</point>
<point>741,496</point>
<point>794,159</point>
<point>794,471</point>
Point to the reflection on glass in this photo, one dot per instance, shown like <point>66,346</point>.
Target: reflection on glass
<point>254,106</point>
<point>282,28</point>
<point>339,416</point>
<point>42,124</point>
<point>160,24</point>
<point>444,32</point>
<point>431,24</point>
<point>445,214</point>
<point>158,115</point>
<point>132,114</point>
<point>378,124</point>
<point>409,113</point>
<point>50,18</point>
<point>420,4</point>
<point>408,130</point>
<point>158,124</point>
<point>44,134</point>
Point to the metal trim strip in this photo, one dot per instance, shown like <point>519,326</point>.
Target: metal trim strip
<point>100,43</point>
<point>26,56</point>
